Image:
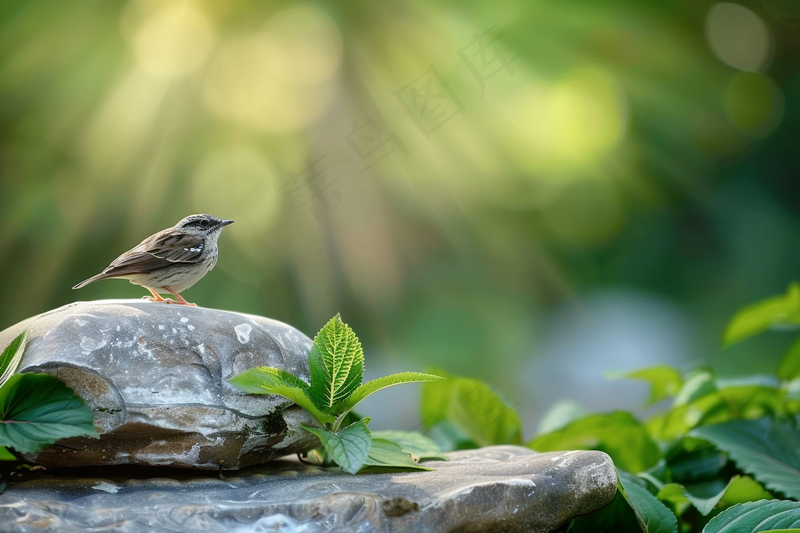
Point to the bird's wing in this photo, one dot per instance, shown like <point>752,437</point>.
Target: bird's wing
<point>156,252</point>
<point>176,246</point>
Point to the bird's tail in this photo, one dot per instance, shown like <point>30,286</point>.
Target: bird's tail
<point>85,282</point>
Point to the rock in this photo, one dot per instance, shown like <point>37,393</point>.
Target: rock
<point>155,377</point>
<point>495,489</point>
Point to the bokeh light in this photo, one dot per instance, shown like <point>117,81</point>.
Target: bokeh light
<point>738,37</point>
<point>463,182</point>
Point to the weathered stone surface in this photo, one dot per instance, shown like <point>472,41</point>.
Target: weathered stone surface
<point>154,375</point>
<point>495,489</point>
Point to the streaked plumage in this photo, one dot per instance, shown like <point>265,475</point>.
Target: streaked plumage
<point>171,260</point>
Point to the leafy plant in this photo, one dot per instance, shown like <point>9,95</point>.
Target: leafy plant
<point>724,457</point>
<point>336,365</point>
<point>37,410</point>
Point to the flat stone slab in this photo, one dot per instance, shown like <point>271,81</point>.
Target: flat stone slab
<point>494,489</point>
<point>155,376</point>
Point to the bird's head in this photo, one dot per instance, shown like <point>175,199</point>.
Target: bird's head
<point>205,225</point>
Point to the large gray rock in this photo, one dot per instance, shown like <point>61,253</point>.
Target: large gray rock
<point>495,489</point>
<point>154,375</point>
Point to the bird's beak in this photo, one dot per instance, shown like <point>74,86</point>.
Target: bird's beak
<point>225,223</point>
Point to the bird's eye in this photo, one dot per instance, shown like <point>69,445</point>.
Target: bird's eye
<point>204,223</point>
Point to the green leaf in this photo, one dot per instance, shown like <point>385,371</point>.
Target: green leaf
<point>699,464</point>
<point>754,517</point>
<point>387,454</point>
<point>560,414</point>
<point>634,509</point>
<point>618,434</point>
<point>37,410</point>
<point>419,446</point>
<point>743,489</point>
<point>349,447</point>
<point>375,385</point>
<point>6,455</point>
<point>473,408</point>
<point>768,450</point>
<point>336,362</point>
<point>8,355</point>
<point>653,515</point>
<point>780,311</point>
<point>789,367</point>
<point>706,496</point>
<point>615,518</point>
<point>722,402</point>
<point>664,381</point>
<point>268,380</point>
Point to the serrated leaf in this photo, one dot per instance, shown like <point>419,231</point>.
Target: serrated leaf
<point>618,434</point>
<point>768,450</point>
<point>473,408</point>
<point>8,355</point>
<point>419,446</point>
<point>336,363</point>
<point>375,385</point>
<point>755,517</point>
<point>387,454</point>
<point>779,311</point>
<point>268,380</point>
<point>653,515</point>
<point>664,381</point>
<point>348,447</point>
<point>37,410</point>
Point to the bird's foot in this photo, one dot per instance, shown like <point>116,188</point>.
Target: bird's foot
<point>159,299</point>
<point>184,302</point>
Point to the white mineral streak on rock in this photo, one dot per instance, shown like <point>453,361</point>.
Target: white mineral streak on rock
<point>89,344</point>
<point>184,320</point>
<point>243,332</point>
<point>106,487</point>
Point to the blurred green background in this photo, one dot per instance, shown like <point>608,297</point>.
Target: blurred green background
<point>529,192</point>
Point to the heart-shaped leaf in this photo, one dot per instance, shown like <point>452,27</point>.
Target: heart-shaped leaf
<point>37,410</point>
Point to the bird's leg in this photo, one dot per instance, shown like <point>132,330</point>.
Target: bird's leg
<point>156,297</point>
<point>180,301</point>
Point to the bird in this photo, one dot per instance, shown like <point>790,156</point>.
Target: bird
<point>171,260</point>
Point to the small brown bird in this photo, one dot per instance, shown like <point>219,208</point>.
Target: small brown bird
<point>171,260</point>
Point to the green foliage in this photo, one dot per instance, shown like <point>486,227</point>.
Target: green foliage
<point>713,460</point>
<point>768,449</point>
<point>778,312</point>
<point>336,364</point>
<point>37,410</point>
<point>267,380</point>
<point>464,412</point>
<point>348,447</point>
<point>389,454</point>
<point>618,434</point>
<point>336,367</point>
<point>419,446</point>
<point>755,517</point>
<point>664,381</point>
<point>16,346</point>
